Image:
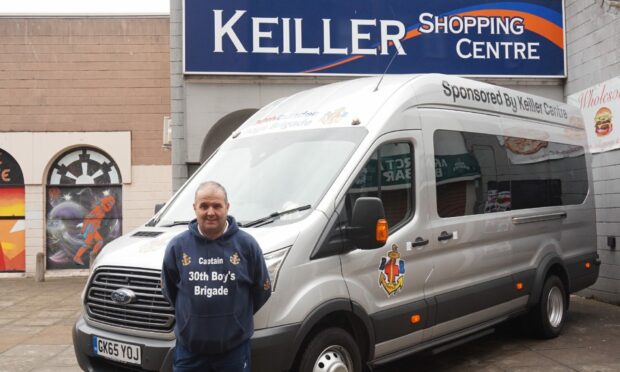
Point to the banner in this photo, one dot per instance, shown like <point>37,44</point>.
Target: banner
<point>600,107</point>
<point>363,37</point>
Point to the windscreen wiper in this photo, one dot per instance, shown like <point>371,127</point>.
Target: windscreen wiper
<point>176,223</point>
<point>273,216</point>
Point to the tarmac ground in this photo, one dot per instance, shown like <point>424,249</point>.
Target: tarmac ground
<point>36,319</point>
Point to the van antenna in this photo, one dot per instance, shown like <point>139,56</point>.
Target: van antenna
<point>386,69</point>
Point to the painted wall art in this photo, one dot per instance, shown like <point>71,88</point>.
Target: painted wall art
<point>84,208</point>
<point>12,212</point>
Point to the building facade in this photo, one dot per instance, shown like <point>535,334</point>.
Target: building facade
<point>593,56</point>
<point>82,106</point>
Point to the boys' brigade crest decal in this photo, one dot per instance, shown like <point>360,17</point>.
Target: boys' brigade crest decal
<point>234,259</point>
<point>186,260</point>
<point>392,272</point>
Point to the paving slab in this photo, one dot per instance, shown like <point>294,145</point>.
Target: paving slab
<point>36,320</point>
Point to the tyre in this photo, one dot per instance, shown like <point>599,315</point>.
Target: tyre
<point>550,313</point>
<point>331,350</point>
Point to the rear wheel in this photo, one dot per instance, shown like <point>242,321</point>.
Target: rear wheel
<point>331,350</point>
<point>550,313</point>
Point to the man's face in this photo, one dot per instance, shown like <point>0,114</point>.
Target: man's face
<point>211,211</point>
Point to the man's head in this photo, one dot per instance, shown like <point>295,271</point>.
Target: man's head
<point>211,208</point>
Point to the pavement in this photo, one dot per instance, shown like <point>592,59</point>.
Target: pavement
<point>36,321</point>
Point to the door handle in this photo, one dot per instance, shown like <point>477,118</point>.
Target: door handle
<point>444,236</point>
<point>419,241</point>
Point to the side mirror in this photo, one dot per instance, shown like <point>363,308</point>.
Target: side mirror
<point>158,207</point>
<point>369,228</point>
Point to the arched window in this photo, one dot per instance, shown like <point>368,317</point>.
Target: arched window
<point>83,207</point>
<point>12,211</point>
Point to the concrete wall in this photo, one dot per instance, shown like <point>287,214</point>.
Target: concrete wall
<point>593,56</point>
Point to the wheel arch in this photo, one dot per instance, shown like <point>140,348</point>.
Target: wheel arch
<point>549,265</point>
<point>340,313</point>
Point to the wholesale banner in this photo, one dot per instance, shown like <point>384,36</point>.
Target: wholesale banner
<point>362,37</point>
<point>600,107</point>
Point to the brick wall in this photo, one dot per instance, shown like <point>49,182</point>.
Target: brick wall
<point>593,56</point>
<point>87,74</point>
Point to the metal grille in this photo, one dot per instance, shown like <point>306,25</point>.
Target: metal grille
<point>149,312</point>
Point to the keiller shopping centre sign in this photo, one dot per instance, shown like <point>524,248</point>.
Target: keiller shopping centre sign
<point>362,37</point>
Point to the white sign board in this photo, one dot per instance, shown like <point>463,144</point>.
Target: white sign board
<point>600,107</point>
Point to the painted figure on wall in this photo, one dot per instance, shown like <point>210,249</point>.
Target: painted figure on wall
<point>91,226</point>
<point>12,212</point>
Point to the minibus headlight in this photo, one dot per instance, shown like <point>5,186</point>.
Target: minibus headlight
<point>274,262</point>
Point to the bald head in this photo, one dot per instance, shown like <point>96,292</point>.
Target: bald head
<point>211,185</point>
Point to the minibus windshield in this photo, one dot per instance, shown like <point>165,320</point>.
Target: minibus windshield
<point>271,173</point>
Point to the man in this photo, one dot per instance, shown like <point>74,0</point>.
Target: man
<point>215,276</point>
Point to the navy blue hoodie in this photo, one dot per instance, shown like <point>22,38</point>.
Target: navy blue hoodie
<point>215,286</point>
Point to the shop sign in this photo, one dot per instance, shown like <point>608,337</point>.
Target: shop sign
<point>365,37</point>
<point>600,107</point>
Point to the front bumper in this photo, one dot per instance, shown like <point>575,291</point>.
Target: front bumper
<point>157,355</point>
<point>272,350</point>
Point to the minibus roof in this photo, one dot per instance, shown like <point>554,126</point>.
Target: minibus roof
<point>355,102</point>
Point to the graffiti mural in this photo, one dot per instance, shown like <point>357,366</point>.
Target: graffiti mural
<point>12,211</point>
<point>84,208</point>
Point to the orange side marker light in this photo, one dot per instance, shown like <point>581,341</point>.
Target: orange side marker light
<point>588,265</point>
<point>415,319</point>
<point>519,286</point>
<point>381,234</point>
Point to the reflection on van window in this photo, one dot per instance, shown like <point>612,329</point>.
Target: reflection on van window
<point>480,173</point>
<point>388,174</point>
<point>272,172</point>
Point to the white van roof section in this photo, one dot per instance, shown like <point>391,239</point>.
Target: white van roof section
<point>355,102</point>
<point>446,90</point>
<point>342,104</point>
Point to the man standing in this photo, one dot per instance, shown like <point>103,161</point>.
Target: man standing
<point>215,277</point>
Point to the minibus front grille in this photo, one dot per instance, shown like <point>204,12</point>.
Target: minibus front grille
<point>148,311</point>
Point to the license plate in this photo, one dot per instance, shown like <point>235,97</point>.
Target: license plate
<point>118,351</point>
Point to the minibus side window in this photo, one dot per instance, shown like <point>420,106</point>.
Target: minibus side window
<point>388,175</point>
<point>480,173</point>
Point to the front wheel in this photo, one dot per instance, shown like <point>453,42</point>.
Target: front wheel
<point>550,313</point>
<point>331,350</point>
